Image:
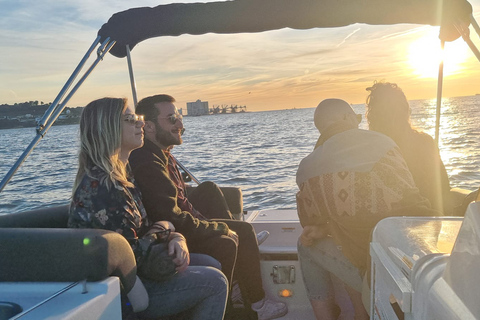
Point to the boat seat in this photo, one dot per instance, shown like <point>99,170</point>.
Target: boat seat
<point>37,246</point>
<point>65,255</point>
<point>57,216</point>
<point>50,217</point>
<point>234,198</point>
<point>70,255</point>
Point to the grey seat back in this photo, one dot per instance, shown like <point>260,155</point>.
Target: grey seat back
<point>65,255</point>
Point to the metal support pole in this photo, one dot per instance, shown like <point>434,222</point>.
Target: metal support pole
<point>475,25</point>
<point>439,93</point>
<point>52,114</point>
<point>465,33</point>
<point>132,77</point>
<point>135,101</point>
<point>472,47</point>
<point>51,109</point>
<point>102,51</point>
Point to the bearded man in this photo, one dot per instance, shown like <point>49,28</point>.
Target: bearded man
<point>233,243</point>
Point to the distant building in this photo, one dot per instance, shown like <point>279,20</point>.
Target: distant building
<point>197,108</point>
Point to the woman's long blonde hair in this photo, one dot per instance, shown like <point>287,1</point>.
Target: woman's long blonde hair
<point>100,141</point>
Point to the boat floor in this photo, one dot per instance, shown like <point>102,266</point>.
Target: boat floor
<point>280,250</point>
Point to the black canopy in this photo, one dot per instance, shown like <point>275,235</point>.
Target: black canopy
<point>138,24</point>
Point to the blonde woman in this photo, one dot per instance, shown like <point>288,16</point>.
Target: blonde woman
<point>105,197</point>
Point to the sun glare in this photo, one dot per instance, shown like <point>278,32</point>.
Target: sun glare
<point>425,54</point>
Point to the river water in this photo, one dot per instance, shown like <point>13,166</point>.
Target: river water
<point>257,151</point>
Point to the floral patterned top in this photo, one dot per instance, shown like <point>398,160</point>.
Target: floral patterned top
<point>119,209</point>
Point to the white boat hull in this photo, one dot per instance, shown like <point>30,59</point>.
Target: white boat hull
<point>39,300</point>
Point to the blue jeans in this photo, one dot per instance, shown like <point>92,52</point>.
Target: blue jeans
<point>199,293</point>
<point>321,260</point>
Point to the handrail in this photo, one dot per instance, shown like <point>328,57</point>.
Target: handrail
<point>56,109</point>
<point>186,171</point>
<point>56,294</point>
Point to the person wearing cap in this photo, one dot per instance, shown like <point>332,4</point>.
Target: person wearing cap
<point>351,180</point>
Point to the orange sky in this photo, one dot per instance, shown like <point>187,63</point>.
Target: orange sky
<point>265,71</point>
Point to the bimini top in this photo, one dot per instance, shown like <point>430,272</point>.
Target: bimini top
<point>135,25</point>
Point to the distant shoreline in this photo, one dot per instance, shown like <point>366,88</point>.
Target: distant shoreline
<point>16,124</point>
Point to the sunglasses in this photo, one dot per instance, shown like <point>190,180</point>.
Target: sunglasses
<point>148,240</point>
<point>173,118</point>
<point>163,235</point>
<point>133,119</point>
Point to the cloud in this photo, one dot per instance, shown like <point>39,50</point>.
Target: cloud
<point>41,42</point>
<point>348,36</point>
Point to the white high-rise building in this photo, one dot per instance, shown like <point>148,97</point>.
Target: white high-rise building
<point>197,108</point>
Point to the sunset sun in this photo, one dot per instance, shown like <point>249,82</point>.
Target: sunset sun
<point>425,54</point>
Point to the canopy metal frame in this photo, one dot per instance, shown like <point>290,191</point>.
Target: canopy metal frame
<point>58,105</point>
<point>465,33</point>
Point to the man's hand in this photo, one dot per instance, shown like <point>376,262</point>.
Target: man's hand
<point>232,234</point>
<point>311,234</point>
<point>177,248</point>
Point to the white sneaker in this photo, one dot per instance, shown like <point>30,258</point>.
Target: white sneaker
<point>270,309</point>
<point>262,236</point>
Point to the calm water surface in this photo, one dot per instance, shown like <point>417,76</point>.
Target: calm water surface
<point>257,151</point>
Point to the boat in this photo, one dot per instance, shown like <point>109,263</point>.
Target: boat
<point>50,272</point>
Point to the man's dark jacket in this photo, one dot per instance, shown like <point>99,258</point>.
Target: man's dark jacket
<point>159,195</point>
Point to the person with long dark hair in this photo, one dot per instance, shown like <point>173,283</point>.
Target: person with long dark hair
<point>388,112</point>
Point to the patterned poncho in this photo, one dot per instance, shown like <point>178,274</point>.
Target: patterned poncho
<point>352,181</point>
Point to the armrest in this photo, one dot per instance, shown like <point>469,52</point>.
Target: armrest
<point>65,255</point>
<point>233,197</point>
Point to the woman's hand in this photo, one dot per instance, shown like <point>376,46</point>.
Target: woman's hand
<point>312,234</point>
<point>177,248</point>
